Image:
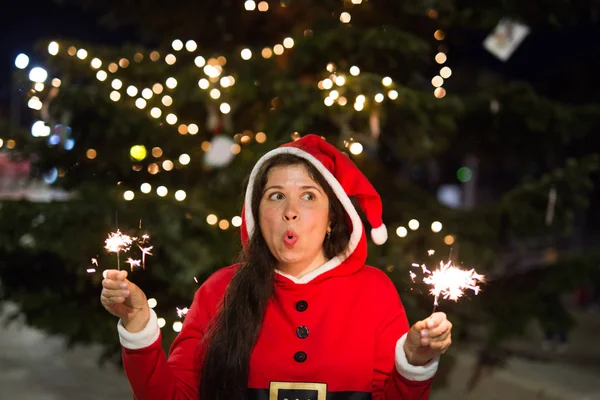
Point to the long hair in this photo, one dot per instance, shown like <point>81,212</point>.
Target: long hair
<point>233,332</point>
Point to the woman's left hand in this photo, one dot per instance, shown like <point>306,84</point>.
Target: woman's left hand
<point>428,338</point>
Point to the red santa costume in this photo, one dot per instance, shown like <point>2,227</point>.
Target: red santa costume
<point>336,333</point>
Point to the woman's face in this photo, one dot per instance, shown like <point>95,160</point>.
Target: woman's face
<point>294,218</point>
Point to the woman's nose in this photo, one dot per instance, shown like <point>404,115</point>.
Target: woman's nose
<point>290,213</point>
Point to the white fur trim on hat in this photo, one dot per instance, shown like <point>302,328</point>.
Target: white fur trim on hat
<point>337,189</point>
<point>379,235</point>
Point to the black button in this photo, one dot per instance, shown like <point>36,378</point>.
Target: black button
<point>300,356</point>
<point>302,332</point>
<point>301,305</point>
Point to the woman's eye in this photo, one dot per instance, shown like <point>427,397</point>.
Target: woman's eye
<point>309,196</point>
<point>276,196</point>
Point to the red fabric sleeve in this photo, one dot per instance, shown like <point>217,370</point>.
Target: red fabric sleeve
<point>388,384</point>
<point>152,376</point>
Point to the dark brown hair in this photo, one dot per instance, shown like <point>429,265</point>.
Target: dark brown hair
<point>234,331</point>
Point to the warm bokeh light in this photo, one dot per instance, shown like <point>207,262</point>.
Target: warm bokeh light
<point>413,224</point>
<point>212,219</point>
<point>401,231</point>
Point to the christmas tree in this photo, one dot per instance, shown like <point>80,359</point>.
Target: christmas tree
<point>483,167</point>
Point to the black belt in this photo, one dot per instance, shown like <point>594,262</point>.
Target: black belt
<point>293,391</point>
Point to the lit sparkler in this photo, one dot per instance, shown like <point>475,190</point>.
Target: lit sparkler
<point>449,282</point>
<point>117,242</point>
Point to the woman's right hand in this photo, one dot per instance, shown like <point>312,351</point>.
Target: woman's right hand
<point>124,299</point>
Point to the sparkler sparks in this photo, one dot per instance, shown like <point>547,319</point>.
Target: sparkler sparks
<point>117,242</point>
<point>145,250</point>
<point>133,263</point>
<point>448,281</point>
<point>182,311</point>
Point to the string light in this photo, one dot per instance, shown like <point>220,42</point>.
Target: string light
<point>132,91</point>
<point>177,45</point>
<point>413,224</point>
<point>225,108</point>
<point>140,103</point>
<point>191,45</point>
<point>260,137</point>
<point>266,52</point>
<point>246,54</point>
<point>162,191</point>
<point>200,61</point>
<point>157,152</point>
<point>192,129</point>
<point>155,112</point>
<point>345,17</point>
<point>96,63</point>
<point>101,75</point>
<point>203,83</point>
<point>147,93</point>
<point>53,48</point>
<point>167,100</point>
<point>401,232</point>
<point>263,6</point>
<point>171,119</point>
<point>116,84</point>
<point>171,83</point>
<point>288,43</point>
<point>437,81</point>
<point>146,188</point>
<point>436,226</point>
<point>278,49</point>
<point>170,59</point>
<point>157,88</point>
<point>82,54</point>
<point>184,159</point>
<point>250,5</point>
<point>212,219</point>
<point>180,195</point>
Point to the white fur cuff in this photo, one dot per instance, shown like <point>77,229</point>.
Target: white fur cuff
<point>413,372</point>
<point>141,339</point>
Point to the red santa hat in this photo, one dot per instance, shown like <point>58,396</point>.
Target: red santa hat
<point>341,174</point>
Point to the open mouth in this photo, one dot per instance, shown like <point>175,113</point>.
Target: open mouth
<point>290,238</point>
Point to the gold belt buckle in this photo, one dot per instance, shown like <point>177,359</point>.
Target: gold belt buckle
<point>275,387</point>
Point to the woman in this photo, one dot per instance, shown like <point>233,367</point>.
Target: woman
<point>301,316</point>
